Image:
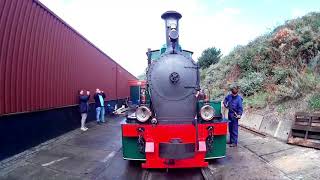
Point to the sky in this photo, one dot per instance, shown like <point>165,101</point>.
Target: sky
<point>125,29</point>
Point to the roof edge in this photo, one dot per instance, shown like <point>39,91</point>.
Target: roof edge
<point>79,34</point>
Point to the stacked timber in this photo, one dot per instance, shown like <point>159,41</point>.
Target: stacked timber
<point>306,130</point>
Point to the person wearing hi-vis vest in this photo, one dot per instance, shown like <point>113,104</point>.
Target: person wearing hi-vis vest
<point>233,102</point>
<point>99,97</point>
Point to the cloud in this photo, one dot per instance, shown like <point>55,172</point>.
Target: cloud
<point>231,11</point>
<point>125,29</point>
<point>297,13</point>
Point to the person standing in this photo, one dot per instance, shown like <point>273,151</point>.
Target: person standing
<point>100,109</point>
<point>84,108</point>
<point>233,102</point>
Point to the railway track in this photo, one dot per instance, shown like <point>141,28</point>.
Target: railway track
<point>206,174</point>
<point>193,174</point>
<point>253,131</point>
<point>201,173</point>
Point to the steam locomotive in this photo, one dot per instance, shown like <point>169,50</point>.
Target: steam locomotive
<point>169,125</point>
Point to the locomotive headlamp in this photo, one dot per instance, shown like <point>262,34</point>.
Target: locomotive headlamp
<point>173,34</point>
<point>143,113</point>
<point>207,112</point>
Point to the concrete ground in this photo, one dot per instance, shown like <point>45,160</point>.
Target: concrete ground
<point>258,157</point>
<point>96,154</point>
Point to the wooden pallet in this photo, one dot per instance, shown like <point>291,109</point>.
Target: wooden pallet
<point>306,130</point>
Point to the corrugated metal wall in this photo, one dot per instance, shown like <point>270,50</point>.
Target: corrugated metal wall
<point>122,82</point>
<point>44,62</point>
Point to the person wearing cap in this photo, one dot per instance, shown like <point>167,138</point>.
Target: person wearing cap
<point>233,102</point>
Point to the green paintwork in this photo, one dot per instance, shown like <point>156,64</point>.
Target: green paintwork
<point>216,106</point>
<point>135,94</point>
<point>130,149</point>
<point>219,147</point>
<point>219,142</point>
<point>163,49</point>
<point>155,55</point>
<point>187,53</point>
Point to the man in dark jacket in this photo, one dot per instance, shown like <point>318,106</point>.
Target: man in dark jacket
<point>233,102</point>
<point>99,97</point>
<point>84,108</point>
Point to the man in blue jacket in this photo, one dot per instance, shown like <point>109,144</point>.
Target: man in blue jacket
<point>233,102</point>
<point>99,97</point>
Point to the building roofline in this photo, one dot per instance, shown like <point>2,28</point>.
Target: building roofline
<point>79,34</point>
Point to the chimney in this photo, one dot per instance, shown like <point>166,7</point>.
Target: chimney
<point>171,19</point>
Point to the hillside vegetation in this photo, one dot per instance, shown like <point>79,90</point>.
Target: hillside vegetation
<point>278,67</point>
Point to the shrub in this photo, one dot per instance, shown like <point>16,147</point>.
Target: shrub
<point>314,102</point>
<point>251,83</point>
<point>203,74</point>
<point>279,75</point>
<point>306,34</point>
<point>217,94</point>
<point>245,62</point>
<point>287,92</point>
<point>281,108</point>
<point>258,100</point>
<point>308,81</point>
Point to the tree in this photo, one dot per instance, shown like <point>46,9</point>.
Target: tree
<point>142,76</point>
<point>209,56</point>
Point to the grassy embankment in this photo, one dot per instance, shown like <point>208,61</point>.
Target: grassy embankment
<point>280,69</point>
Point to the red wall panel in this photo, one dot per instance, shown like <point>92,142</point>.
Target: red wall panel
<point>122,83</point>
<point>7,44</point>
<point>4,7</point>
<point>25,18</point>
<point>16,65</point>
<point>44,62</point>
